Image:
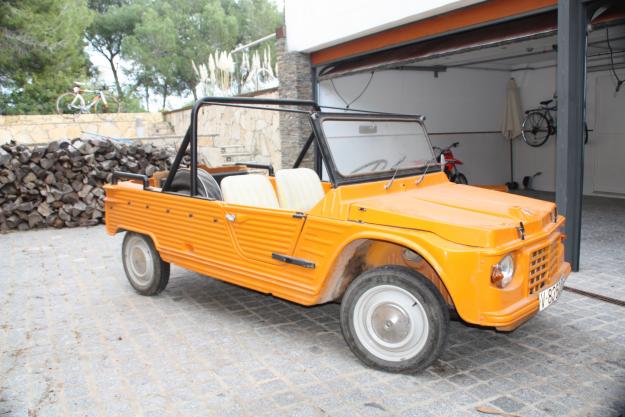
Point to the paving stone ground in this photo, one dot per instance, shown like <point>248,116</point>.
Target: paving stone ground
<point>76,340</point>
<point>602,265</point>
<point>602,262</point>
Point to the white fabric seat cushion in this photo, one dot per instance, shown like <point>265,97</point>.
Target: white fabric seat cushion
<point>299,189</point>
<point>249,190</point>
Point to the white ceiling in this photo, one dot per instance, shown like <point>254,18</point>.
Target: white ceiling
<point>535,51</point>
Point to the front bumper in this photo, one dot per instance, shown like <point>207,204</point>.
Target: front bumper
<point>518,313</point>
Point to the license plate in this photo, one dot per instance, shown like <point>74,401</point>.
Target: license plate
<point>549,295</point>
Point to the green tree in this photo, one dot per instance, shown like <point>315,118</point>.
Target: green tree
<point>113,21</point>
<point>42,52</point>
<point>255,18</point>
<point>152,48</point>
<point>172,33</point>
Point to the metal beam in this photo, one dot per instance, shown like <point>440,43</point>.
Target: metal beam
<point>571,87</point>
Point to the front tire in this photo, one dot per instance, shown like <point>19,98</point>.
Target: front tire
<point>146,271</point>
<point>394,319</point>
<point>70,103</point>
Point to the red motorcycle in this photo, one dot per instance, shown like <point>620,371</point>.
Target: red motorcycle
<point>451,163</point>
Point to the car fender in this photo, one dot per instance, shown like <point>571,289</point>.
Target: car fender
<point>333,280</point>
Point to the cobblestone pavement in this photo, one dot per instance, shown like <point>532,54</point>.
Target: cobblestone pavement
<point>602,263</point>
<point>76,340</point>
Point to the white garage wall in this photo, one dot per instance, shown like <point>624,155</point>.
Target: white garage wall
<point>465,101</point>
<point>535,86</point>
<point>604,170</point>
<point>459,105</point>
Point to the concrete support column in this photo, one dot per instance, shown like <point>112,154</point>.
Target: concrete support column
<point>571,87</point>
<point>295,76</point>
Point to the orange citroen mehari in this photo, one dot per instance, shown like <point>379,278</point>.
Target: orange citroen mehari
<point>386,235</point>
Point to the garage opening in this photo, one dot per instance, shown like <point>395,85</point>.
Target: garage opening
<point>459,82</point>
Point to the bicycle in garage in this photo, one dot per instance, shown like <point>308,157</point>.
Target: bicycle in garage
<point>540,124</point>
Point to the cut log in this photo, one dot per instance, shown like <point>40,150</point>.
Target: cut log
<point>60,184</point>
<point>34,219</point>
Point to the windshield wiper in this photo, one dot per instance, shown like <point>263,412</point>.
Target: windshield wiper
<point>396,166</point>
<point>425,171</point>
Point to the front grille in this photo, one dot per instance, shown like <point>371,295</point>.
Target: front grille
<point>543,263</point>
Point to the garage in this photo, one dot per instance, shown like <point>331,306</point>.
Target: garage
<point>455,68</point>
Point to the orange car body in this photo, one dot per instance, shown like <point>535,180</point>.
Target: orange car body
<point>451,233</point>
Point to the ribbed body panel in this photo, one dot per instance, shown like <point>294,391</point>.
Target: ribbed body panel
<point>194,234</point>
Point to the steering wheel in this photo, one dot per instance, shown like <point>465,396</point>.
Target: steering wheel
<point>378,163</point>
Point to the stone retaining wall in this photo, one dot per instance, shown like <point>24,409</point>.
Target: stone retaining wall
<point>30,129</point>
<point>256,132</point>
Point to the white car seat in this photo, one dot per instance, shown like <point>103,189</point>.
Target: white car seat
<point>249,190</point>
<point>299,189</point>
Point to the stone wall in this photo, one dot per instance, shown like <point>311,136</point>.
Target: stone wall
<point>30,129</point>
<point>229,134</point>
<point>295,83</point>
<point>225,134</point>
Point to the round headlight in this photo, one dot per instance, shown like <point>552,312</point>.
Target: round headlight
<point>503,271</point>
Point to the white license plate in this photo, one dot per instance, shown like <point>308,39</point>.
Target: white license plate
<point>549,295</point>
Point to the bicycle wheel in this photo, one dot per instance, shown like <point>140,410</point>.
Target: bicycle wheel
<point>70,103</point>
<point>536,128</point>
<point>460,178</point>
<point>112,105</point>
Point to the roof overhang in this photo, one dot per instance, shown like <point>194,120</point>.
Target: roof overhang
<point>477,15</point>
<point>525,28</point>
<point>533,26</point>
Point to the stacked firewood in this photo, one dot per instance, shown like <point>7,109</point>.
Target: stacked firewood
<point>60,184</point>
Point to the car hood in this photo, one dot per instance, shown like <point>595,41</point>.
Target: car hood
<point>459,213</point>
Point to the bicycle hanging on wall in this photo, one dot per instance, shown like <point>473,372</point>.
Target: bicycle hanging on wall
<point>540,124</point>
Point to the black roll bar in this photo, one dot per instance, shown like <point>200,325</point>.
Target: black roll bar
<point>302,153</point>
<point>117,175</point>
<point>176,164</point>
<point>190,138</point>
<point>268,167</point>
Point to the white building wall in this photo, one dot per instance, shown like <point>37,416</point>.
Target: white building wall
<point>460,105</point>
<point>314,25</point>
<point>467,106</point>
<point>604,171</point>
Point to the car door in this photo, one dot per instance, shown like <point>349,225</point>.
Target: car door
<point>262,234</point>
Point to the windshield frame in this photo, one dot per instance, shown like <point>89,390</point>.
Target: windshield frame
<point>335,176</point>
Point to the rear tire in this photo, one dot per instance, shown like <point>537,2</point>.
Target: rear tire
<point>394,319</point>
<point>460,178</point>
<point>536,128</point>
<point>146,271</point>
<point>112,106</point>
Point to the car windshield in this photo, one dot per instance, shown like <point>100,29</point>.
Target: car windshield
<point>361,147</point>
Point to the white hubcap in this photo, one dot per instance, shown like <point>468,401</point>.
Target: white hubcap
<point>390,323</point>
<point>139,261</point>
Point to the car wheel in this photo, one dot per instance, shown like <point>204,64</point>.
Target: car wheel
<point>146,271</point>
<point>394,319</point>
